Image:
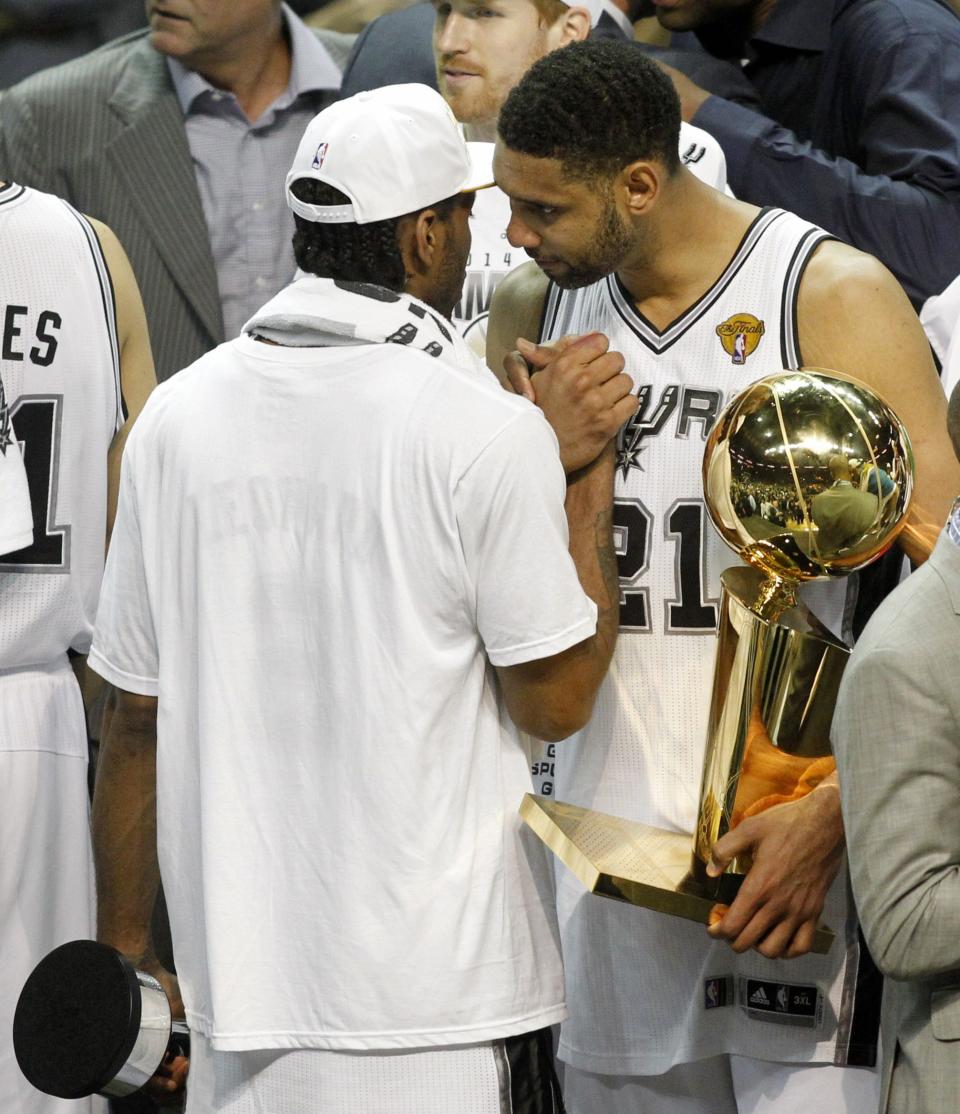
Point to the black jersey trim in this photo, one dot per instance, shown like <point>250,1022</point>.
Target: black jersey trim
<point>550,312</point>
<point>858,1026</point>
<point>108,300</point>
<point>660,341</point>
<point>10,192</point>
<point>529,1083</point>
<point>790,352</point>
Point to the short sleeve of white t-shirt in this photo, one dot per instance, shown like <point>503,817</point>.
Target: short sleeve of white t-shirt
<point>124,650</point>
<point>509,507</point>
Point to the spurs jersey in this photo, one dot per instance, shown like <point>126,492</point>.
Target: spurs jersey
<point>648,991</point>
<point>492,256</point>
<point>59,359</point>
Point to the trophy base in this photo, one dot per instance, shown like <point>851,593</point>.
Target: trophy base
<point>631,862</point>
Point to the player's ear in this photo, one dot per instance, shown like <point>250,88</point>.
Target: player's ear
<point>640,183</point>
<point>571,27</point>
<point>429,229</point>
<point>419,237</point>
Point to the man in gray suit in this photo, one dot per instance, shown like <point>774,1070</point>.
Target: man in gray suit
<point>178,137</point>
<point>896,734</point>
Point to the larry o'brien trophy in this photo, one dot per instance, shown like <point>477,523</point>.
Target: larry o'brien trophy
<point>807,475</point>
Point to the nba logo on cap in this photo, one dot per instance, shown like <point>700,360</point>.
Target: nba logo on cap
<point>320,156</point>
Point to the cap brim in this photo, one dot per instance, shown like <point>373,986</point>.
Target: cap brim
<point>480,176</point>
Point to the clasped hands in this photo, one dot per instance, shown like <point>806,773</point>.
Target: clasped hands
<point>581,387</point>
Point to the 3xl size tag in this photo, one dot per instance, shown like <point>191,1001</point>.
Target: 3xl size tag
<point>780,1002</point>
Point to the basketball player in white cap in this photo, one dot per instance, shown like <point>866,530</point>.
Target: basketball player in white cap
<point>482,49</point>
<point>77,369</point>
<point>334,593</point>
<point>666,1017</point>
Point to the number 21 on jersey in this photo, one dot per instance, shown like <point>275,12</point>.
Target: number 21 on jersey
<point>688,610</point>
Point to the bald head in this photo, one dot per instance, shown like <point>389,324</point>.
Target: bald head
<point>839,468</point>
<point>953,419</point>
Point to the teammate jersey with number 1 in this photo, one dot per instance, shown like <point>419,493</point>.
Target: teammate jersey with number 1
<point>648,991</point>
<point>58,348</point>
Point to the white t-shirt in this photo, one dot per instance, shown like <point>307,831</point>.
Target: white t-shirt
<point>318,553</point>
<point>492,256</point>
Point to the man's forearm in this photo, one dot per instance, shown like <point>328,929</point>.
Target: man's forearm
<point>125,827</point>
<point>589,508</point>
<point>767,163</point>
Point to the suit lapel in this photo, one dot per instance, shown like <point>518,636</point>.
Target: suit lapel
<point>151,159</point>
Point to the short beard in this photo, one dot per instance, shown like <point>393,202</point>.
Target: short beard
<point>480,112</point>
<point>612,244</point>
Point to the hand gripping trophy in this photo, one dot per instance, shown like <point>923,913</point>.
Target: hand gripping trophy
<point>807,475</point>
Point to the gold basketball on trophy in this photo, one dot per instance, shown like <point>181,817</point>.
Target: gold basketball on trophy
<point>808,474</point>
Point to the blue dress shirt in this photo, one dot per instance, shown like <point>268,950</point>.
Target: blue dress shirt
<point>241,167</point>
<point>860,131</point>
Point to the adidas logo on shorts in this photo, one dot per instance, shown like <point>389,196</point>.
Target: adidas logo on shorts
<point>781,1003</point>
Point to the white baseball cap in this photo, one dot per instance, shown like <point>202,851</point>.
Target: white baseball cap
<point>392,151</point>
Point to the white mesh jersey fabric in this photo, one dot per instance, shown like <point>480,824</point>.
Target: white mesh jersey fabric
<point>314,1081</point>
<point>726,1085</point>
<point>46,869</point>
<point>61,373</point>
<point>636,981</point>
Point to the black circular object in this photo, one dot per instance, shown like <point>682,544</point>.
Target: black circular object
<point>77,1019</point>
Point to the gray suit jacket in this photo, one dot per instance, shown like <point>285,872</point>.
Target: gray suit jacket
<point>106,133</point>
<point>896,735</point>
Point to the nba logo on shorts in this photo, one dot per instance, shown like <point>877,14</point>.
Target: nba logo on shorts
<point>714,993</point>
<point>320,156</point>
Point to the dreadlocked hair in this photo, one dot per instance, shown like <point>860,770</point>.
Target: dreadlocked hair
<point>596,106</point>
<point>350,252</point>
